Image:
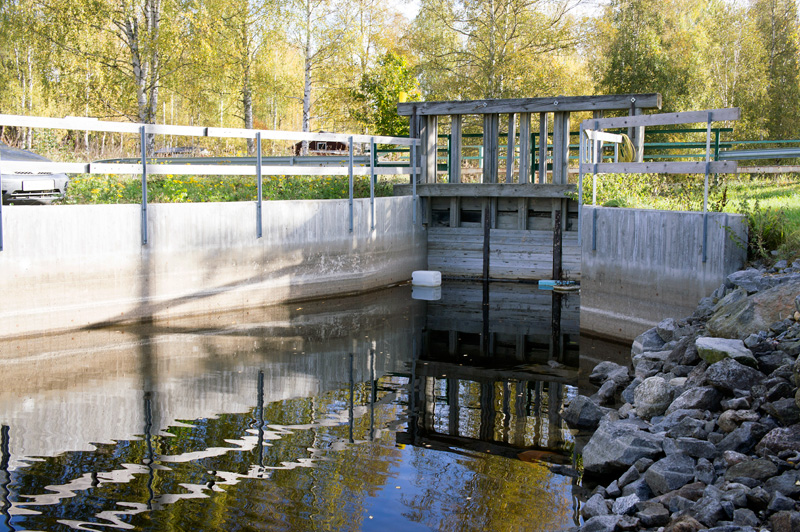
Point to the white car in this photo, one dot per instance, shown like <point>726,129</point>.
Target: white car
<point>29,187</point>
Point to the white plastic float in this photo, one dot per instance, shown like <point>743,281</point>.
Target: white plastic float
<point>426,278</point>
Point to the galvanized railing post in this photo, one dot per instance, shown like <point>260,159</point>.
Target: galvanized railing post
<point>372,177</point>
<point>580,181</point>
<point>143,142</point>
<point>594,189</point>
<point>705,189</point>
<point>259,185</point>
<point>350,173</point>
<point>413,162</point>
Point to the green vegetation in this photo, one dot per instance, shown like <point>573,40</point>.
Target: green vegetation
<point>771,204</point>
<point>176,189</point>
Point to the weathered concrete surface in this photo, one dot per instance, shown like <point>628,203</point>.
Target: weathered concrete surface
<point>648,266</point>
<point>68,267</point>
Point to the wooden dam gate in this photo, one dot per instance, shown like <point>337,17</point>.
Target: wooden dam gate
<point>518,221</point>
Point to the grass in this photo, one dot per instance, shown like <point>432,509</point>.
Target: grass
<point>90,189</point>
<point>771,204</point>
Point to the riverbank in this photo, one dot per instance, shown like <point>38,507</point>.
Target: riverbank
<point>704,431</point>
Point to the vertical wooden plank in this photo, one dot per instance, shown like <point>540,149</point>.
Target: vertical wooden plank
<point>522,213</point>
<point>599,154</point>
<point>511,147</point>
<point>455,148</point>
<point>415,132</point>
<point>560,148</point>
<point>453,409</point>
<point>429,134</point>
<point>491,129</point>
<point>487,226</point>
<point>455,212</point>
<point>542,148</point>
<point>525,147</point>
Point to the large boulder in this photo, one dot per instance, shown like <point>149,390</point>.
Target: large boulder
<point>616,445</point>
<point>745,316</point>
<point>582,413</point>
<point>670,473</point>
<point>700,398</point>
<point>778,440</point>
<point>652,397</point>
<point>715,349</point>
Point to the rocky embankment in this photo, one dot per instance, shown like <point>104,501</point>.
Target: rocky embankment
<point>708,434</point>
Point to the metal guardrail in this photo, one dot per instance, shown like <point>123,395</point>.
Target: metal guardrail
<point>144,166</point>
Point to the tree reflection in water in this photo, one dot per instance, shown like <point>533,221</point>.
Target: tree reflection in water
<point>373,413</point>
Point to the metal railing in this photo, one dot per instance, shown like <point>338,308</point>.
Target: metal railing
<point>145,166</point>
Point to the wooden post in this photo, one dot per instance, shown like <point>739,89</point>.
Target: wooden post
<point>487,230</point>
<point>560,148</point>
<point>414,131</point>
<point>455,212</point>
<point>455,149</point>
<point>491,130</point>
<point>453,410</point>
<point>599,155</point>
<point>488,415</point>
<point>510,149</point>
<point>520,416</point>
<point>429,137</point>
<point>557,241</point>
<point>525,147</point>
<point>542,148</point>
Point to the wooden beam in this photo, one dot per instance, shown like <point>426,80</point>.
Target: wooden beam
<point>662,167</point>
<point>533,105</point>
<point>665,119</point>
<point>542,148</point>
<point>491,131</point>
<point>560,148</point>
<point>478,190</point>
<point>429,138</point>
<point>455,148</point>
<point>525,148</point>
<point>510,147</point>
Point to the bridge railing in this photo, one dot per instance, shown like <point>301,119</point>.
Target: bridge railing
<point>592,137</point>
<point>146,167</point>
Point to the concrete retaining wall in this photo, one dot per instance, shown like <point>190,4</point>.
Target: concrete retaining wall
<point>67,267</point>
<point>648,266</point>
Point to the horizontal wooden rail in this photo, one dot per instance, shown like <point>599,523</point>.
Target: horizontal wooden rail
<point>482,190</point>
<point>533,105</point>
<point>664,119</point>
<point>661,167</point>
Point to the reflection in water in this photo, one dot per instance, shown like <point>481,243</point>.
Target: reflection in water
<point>362,413</point>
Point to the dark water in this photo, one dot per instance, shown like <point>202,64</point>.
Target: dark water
<point>371,413</point>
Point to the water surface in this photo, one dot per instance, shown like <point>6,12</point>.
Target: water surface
<point>376,412</point>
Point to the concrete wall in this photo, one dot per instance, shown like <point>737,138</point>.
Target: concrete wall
<point>648,266</point>
<point>67,267</point>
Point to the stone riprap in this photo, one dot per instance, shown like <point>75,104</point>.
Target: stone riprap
<point>707,436</point>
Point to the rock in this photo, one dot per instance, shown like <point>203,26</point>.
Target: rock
<point>745,517</point>
<point>616,445</point>
<point>690,447</point>
<point>736,403</point>
<point>780,503</point>
<point>779,439</point>
<point>603,371</point>
<point>647,341</point>
<point>666,329</point>
<point>708,511</point>
<point>653,515</point>
<point>629,476</point>
<point>625,505</point>
<point>715,349</point>
<point>606,393</point>
<point>702,398</point>
<point>788,483</point>
<point>596,505</point>
<point>684,523</point>
<point>729,375</point>
<point>785,522</point>
<point>758,499</point>
<point>613,490</point>
<point>733,457</point>
<point>785,411</point>
<point>754,313</point>
<point>652,397</point>
<point>770,362</point>
<point>758,469</point>
<point>748,280</point>
<point>670,473</point>
<point>705,472</point>
<point>688,427</point>
<point>639,488</point>
<point>601,523</point>
<point>744,438</point>
<point>582,413</point>
<point>731,419</point>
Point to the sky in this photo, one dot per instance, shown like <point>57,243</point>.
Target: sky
<point>410,8</point>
